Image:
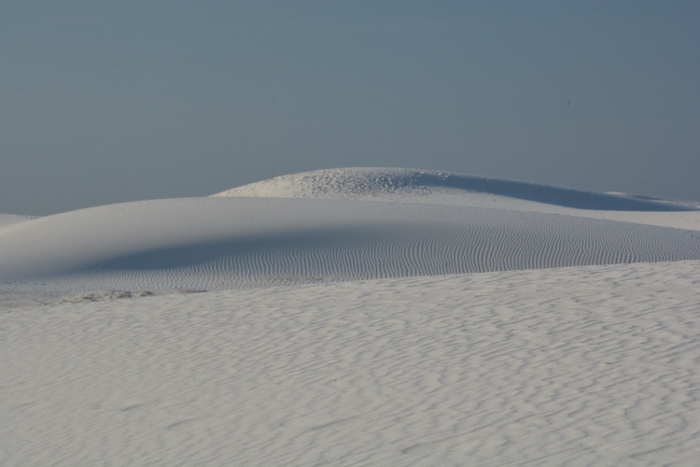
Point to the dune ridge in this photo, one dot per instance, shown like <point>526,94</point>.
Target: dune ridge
<point>7,219</point>
<point>401,184</point>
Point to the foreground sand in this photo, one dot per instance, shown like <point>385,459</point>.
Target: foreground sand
<point>592,365</point>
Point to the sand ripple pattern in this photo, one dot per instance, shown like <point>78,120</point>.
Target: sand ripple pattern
<point>587,366</point>
<point>215,243</point>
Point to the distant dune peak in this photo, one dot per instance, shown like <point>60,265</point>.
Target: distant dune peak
<point>410,185</point>
<point>345,183</point>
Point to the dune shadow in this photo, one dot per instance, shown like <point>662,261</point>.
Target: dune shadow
<point>184,255</point>
<point>565,197</point>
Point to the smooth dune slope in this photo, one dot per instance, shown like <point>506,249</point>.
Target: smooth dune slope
<point>214,243</point>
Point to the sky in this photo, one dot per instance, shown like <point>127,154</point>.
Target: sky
<point>104,102</point>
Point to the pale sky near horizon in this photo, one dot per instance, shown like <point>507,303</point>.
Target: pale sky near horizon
<point>104,102</point>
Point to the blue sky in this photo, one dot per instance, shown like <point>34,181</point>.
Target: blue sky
<point>104,102</point>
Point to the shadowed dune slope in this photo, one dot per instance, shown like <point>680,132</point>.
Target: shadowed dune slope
<point>239,242</point>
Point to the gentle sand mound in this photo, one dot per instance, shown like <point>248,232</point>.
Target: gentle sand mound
<point>206,243</point>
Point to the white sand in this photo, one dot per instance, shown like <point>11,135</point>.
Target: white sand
<point>439,334</point>
<point>588,365</point>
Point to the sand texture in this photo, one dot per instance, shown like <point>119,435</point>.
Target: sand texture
<point>354,317</point>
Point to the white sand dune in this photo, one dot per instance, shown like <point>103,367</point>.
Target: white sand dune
<point>363,183</point>
<point>335,225</point>
<point>433,187</point>
<point>355,317</point>
<point>211,243</point>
